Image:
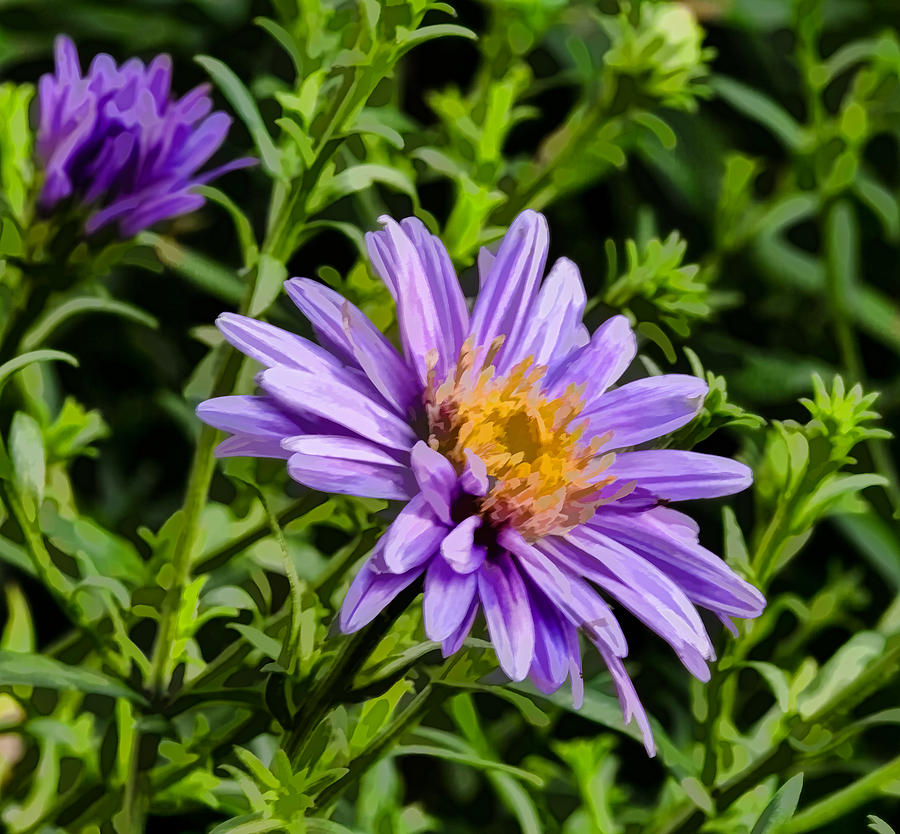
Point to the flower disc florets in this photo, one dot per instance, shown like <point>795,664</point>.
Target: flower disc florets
<point>544,478</point>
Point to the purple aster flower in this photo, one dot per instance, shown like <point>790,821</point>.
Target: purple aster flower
<point>117,140</point>
<point>526,497</point>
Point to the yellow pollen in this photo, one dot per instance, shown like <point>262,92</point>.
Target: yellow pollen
<point>544,479</point>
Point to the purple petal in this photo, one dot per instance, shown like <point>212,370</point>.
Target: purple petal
<point>642,588</point>
<point>349,334</point>
<point>414,536</point>
<point>421,325</point>
<point>250,446</point>
<point>485,261</point>
<point>646,409</point>
<point>575,599</point>
<point>333,394</point>
<point>323,307</point>
<point>550,666</point>
<point>68,67</point>
<point>507,610</point>
<point>449,299</point>
<point>628,698</point>
<point>600,363</point>
<point>551,327</point>
<point>459,549</point>
<point>250,415</point>
<point>454,642</point>
<point>163,207</point>
<point>678,476</point>
<point>270,345</point>
<point>448,598</point>
<point>369,593</point>
<point>379,360</point>
<point>349,466</point>
<point>474,479</point>
<point>506,297</point>
<point>703,576</point>
<point>436,478</point>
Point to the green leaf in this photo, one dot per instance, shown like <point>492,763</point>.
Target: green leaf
<point>776,679</point>
<point>269,281</point>
<point>359,178</point>
<point>760,108</point>
<point>781,808</point>
<point>17,668</point>
<point>97,551</point>
<point>205,273</point>
<point>842,668</point>
<point>879,826</point>
<point>269,646</point>
<point>51,320</point>
<point>248,824</point>
<point>736,553</point>
<point>22,361</point>
<point>249,248</point>
<point>285,40</point>
<point>881,200</point>
<point>16,556</point>
<point>29,466</point>
<point>429,33</point>
<point>18,633</point>
<point>606,711</point>
<point>16,156</point>
<point>240,99</point>
<point>467,759</point>
<point>368,122</point>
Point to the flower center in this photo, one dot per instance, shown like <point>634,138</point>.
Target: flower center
<point>544,478</point>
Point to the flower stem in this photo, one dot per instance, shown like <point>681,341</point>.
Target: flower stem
<point>201,473</point>
<point>338,677</point>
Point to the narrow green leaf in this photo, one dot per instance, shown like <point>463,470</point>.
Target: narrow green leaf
<point>605,710</point>
<point>438,30</point>
<point>51,320</point>
<point>18,633</point>
<point>248,824</point>
<point>17,668</point>
<point>879,826</point>
<point>249,248</point>
<point>244,105</point>
<point>781,808</point>
<point>466,759</point>
<point>269,646</point>
<point>285,40</point>
<point>272,273</point>
<point>760,108</point>
<point>16,556</point>
<point>776,679</point>
<point>9,368</point>
<point>205,273</point>
<point>29,463</point>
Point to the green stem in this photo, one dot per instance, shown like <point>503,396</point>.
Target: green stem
<point>134,809</point>
<point>843,801</point>
<point>412,715</point>
<point>198,485</point>
<point>338,678</point>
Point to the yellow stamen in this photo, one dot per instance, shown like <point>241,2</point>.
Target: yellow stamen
<point>545,479</point>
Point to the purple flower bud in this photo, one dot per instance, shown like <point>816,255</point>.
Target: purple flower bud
<point>117,141</point>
